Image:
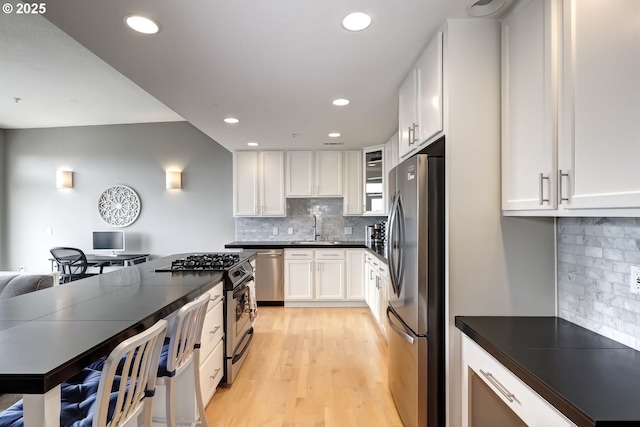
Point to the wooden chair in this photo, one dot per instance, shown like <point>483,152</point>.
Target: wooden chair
<point>181,353</point>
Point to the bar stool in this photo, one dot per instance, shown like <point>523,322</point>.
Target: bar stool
<point>182,352</point>
<point>117,394</point>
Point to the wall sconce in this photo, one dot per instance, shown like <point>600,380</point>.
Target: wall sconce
<point>174,180</point>
<point>64,179</point>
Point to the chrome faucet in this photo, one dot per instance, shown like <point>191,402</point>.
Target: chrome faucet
<point>315,228</point>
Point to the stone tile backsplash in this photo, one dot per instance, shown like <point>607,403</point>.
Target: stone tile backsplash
<point>330,222</point>
<point>594,258</point>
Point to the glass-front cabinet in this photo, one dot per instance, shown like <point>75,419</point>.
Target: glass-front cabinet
<point>374,181</point>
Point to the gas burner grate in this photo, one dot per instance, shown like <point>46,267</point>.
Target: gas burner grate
<point>205,262</point>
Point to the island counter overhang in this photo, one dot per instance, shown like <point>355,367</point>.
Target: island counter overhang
<point>50,335</point>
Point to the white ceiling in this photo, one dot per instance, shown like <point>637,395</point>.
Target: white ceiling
<point>274,64</point>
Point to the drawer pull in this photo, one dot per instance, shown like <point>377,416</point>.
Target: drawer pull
<point>216,297</point>
<point>502,389</point>
<point>214,330</point>
<point>215,374</point>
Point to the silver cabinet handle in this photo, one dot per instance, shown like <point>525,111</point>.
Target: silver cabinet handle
<point>541,198</point>
<point>410,137</point>
<point>214,330</point>
<point>215,298</point>
<point>502,389</point>
<point>560,176</point>
<point>215,374</point>
<point>415,127</point>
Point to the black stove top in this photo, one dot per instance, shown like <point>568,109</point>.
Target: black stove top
<point>203,262</point>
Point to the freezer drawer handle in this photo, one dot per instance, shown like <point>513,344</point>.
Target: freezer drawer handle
<point>399,331</point>
<point>502,389</point>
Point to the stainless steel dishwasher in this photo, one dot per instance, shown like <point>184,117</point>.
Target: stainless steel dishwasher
<point>269,277</point>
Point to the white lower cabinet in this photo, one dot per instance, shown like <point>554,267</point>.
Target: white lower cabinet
<point>211,365</point>
<point>323,276</point>
<point>377,282</point>
<point>492,395</point>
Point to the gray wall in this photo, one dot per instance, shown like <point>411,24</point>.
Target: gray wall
<point>3,168</point>
<point>594,256</point>
<point>330,222</point>
<point>196,218</point>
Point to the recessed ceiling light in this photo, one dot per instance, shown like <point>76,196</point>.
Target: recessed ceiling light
<point>341,102</point>
<point>231,120</point>
<point>252,144</point>
<point>142,24</point>
<point>356,21</point>
<point>334,134</point>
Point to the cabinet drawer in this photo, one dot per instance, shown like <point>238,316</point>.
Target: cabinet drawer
<point>516,395</point>
<point>298,254</point>
<point>211,372</point>
<point>212,329</point>
<point>329,254</point>
<point>215,296</point>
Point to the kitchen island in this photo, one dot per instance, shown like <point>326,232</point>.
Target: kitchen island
<point>48,336</point>
<point>590,379</point>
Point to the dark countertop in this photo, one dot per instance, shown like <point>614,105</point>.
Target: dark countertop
<point>283,244</point>
<point>591,379</point>
<point>49,335</point>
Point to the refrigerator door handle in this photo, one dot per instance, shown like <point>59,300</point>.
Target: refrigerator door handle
<point>390,249</point>
<point>397,329</point>
<point>402,242</point>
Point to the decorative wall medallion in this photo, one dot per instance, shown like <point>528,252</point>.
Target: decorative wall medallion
<point>119,206</point>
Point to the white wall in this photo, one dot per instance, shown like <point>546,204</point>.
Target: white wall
<point>197,218</point>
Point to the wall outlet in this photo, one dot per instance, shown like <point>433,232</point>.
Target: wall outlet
<point>275,230</point>
<point>634,279</point>
<point>290,230</point>
<point>348,230</point>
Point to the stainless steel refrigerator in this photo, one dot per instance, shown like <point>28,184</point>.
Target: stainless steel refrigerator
<point>416,315</point>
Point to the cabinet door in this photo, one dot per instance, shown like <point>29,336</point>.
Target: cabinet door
<point>328,173</point>
<point>429,91</point>
<point>329,279</point>
<point>245,183</point>
<point>300,174</point>
<point>374,181</point>
<point>272,184</point>
<point>407,115</point>
<point>382,297</point>
<point>600,126</point>
<point>355,274</point>
<point>298,279</point>
<point>529,98</point>
<point>352,204</point>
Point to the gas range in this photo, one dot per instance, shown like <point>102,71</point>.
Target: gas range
<point>237,268</point>
<point>205,262</point>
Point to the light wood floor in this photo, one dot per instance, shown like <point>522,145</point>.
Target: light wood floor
<point>310,367</point>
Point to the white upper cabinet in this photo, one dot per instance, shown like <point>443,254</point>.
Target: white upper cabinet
<point>374,181</point>
<point>258,183</point>
<point>600,126</point>
<point>529,99</point>
<point>420,110</point>
<point>314,174</point>
<point>570,107</point>
<point>352,177</point>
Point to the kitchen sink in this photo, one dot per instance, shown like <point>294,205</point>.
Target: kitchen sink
<point>315,242</point>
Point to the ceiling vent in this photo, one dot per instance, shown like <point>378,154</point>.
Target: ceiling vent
<point>334,143</point>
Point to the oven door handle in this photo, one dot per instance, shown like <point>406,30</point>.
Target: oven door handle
<point>248,340</point>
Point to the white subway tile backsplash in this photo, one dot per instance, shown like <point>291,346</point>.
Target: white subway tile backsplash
<point>594,257</point>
